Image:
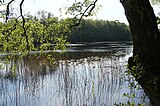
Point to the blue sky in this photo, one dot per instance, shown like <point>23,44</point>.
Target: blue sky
<point>111,9</point>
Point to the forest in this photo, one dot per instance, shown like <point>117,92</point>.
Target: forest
<point>99,31</point>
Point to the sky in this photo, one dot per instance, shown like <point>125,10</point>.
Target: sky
<point>110,10</point>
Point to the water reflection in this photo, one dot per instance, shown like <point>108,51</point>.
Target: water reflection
<point>93,77</point>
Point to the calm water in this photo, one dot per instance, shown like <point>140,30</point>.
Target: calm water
<point>81,76</point>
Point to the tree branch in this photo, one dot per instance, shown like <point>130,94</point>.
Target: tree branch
<point>8,10</point>
<point>86,13</point>
<point>23,23</point>
<point>21,14</point>
<point>91,7</point>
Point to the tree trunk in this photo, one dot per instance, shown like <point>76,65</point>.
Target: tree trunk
<point>146,37</point>
<point>146,45</point>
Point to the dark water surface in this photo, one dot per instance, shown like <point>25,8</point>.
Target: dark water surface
<point>81,76</point>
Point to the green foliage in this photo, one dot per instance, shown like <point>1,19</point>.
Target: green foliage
<point>155,2</point>
<point>40,33</point>
<point>129,104</point>
<point>129,95</point>
<point>136,69</point>
<point>84,7</point>
<point>133,85</point>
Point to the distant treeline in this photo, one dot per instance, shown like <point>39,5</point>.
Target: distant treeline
<point>89,31</point>
<point>100,30</point>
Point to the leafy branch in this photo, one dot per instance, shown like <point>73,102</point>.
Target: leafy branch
<point>23,19</point>
<point>61,29</point>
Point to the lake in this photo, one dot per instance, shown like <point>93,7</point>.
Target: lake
<point>79,76</point>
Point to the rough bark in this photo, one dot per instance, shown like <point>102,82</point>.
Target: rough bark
<point>146,42</point>
<point>146,37</point>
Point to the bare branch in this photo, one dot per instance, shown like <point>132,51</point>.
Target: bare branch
<point>88,10</point>
<point>21,14</point>
<point>23,23</point>
<point>8,10</point>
